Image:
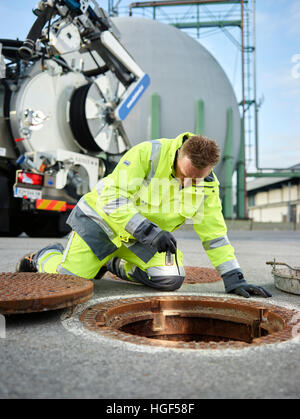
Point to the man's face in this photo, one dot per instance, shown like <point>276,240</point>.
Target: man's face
<point>188,174</point>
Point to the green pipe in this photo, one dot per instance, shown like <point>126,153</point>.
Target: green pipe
<point>241,175</point>
<point>228,160</point>
<point>181,3</point>
<point>212,24</point>
<point>154,116</point>
<point>275,174</point>
<point>199,128</point>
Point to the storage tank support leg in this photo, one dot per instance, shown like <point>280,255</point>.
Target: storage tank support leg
<point>199,129</point>
<point>154,116</point>
<point>228,160</point>
<point>241,176</point>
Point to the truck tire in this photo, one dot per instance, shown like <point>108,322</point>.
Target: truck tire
<point>45,225</point>
<point>10,225</point>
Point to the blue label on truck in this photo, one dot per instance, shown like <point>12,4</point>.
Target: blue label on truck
<point>133,97</point>
<point>73,4</point>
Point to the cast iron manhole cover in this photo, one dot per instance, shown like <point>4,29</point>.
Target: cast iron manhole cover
<point>190,322</point>
<point>193,275</point>
<point>33,292</point>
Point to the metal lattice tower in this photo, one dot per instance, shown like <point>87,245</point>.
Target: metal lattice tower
<point>249,82</point>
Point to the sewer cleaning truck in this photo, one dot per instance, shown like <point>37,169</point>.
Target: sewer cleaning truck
<point>64,94</point>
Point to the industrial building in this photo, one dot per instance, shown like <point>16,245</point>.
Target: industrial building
<point>274,200</point>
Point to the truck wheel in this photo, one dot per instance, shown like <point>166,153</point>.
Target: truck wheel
<point>45,225</point>
<point>9,223</point>
<point>9,209</point>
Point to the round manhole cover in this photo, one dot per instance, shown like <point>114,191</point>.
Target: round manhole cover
<point>193,275</point>
<point>34,292</point>
<point>190,322</point>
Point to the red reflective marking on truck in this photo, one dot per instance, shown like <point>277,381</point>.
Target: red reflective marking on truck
<point>51,205</point>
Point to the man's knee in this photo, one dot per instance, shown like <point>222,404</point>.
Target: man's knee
<point>163,282</point>
<point>47,259</point>
<point>167,283</point>
<point>167,278</point>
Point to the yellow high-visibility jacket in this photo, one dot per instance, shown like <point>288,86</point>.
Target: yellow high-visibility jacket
<point>143,190</point>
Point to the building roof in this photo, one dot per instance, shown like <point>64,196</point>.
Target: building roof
<point>263,182</point>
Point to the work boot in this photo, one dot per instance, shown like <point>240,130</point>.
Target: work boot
<point>116,267</point>
<point>26,264</point>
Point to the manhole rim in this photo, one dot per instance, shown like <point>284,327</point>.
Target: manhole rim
<point>113,334</point>
<point>70,320</point>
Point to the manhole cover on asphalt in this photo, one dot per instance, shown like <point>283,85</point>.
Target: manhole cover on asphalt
<point>34,292</point>
<point>193,275</point>
<point>190,322</point>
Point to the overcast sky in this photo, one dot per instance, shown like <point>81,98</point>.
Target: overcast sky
<point>278,69</point>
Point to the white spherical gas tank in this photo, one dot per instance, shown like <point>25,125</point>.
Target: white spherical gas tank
<point>182,71</point>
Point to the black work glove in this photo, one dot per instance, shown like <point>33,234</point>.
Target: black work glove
<point>235,283</point>
<point>165,242</point>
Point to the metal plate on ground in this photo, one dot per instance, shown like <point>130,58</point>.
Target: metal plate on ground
<point>196,275</point>
<point>33,292</point>
<point>193,275</point>
<point>287,280</point>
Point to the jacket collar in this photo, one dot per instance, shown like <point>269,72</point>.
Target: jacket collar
<point>178,141</point>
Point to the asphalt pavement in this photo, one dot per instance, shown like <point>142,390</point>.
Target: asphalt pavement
<point>51,355</point>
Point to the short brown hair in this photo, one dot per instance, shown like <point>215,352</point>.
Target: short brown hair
<point>202,151</point>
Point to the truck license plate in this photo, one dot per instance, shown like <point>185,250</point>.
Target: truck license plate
<point>29,193</point>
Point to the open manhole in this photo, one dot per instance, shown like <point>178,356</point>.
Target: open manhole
<point>33,292</point>
<point>193,275</point>
<point>190,322</point>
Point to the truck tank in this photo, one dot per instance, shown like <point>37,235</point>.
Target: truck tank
<point>64,94</point>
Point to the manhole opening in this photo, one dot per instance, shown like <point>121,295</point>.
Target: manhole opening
<point>190,322</point>
<point>194,329</point>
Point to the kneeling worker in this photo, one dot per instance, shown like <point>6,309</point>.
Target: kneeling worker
<point>125,223</point>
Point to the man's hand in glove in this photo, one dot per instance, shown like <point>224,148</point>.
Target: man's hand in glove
<point>165,242</point>
<point>248,289</point>
<point>235,283</point>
